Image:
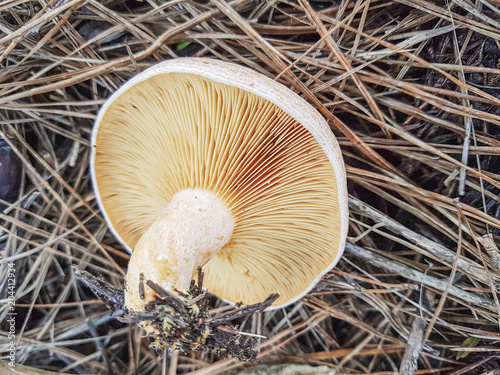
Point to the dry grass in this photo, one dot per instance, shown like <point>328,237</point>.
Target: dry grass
<point>410,88</point>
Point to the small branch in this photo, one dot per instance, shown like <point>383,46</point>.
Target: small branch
<point>492,249</point>
<point>417,276</point>
<point>429,248</point>
<point>409,363</point>
<point>465,157</point>
<point>286,369</point>
<point>244,311</point>
<point>166,296</point>
<point>112,297</point>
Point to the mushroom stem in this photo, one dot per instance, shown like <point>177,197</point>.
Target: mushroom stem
<point>189,232</point>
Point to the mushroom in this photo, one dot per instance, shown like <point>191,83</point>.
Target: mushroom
<point>202,163</point>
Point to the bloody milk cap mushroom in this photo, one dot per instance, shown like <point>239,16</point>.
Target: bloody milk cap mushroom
<point>202,163</point>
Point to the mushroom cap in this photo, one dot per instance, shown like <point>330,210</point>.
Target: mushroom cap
<point>264,151</point>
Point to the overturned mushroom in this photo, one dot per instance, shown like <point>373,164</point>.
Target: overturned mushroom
<point>202,163</point>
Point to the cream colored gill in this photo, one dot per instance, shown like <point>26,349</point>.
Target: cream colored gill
<point>181,131</point>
